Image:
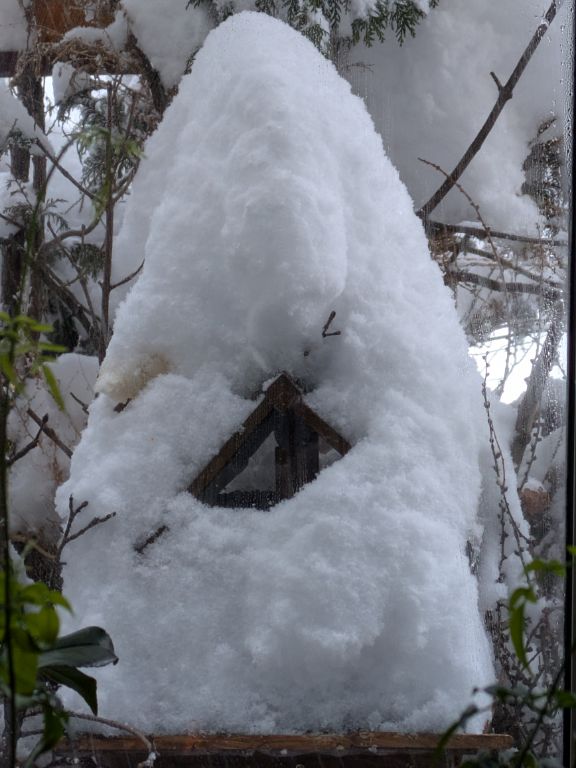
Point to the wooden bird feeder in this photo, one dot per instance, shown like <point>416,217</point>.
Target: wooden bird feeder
<point>299,434</point>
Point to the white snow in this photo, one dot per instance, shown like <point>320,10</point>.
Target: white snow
<point>13,27</point>
<point>430,97</point>
<point>35,477</point>
<point>68,81</point>
<point>15,117</point>
<point>155,22</point>
<point>264,202</point>
<point>113,36</point>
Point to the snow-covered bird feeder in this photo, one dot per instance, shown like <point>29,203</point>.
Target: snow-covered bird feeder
<point>265,204</point>
<point>297,430</point>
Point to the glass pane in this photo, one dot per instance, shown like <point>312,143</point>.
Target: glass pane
<point>301,446</point>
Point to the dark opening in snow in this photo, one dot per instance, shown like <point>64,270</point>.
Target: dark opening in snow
<point>281,446</point>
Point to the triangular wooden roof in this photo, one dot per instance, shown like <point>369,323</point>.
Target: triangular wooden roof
<point>283,395</point>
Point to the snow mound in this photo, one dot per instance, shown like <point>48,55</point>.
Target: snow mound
<point>264,203</point>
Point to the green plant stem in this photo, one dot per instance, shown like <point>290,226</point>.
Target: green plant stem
<point>544,710</point>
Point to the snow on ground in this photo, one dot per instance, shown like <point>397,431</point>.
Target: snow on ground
<point>265,202</point>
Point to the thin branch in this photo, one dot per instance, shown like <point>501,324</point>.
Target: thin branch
<point>31,445</point>
<point>92,524</point>
<point>78,310</point>
<point>73,513</point>
<point>327,325</point>
<point>120,727</point>
<point>49,432</point>
<point>529,407</point>
<point>151,539</point>
<point>127,279</point>
<point>81,403</point>
<point>11,221</point>
<point>496,80</point>
<point>515,267</point>
<point>438,227</point>
<point>505,93</point>
<point>55,161</point>
<point>476,207</point>
<point>496,285</point>
<point>157,90</point>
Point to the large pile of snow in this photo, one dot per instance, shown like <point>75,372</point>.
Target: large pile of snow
<point>265,201</point>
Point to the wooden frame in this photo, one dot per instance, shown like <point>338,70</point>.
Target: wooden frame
<point>361,749</point>
<point>297,429</point>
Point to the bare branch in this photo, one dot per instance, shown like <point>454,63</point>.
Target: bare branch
<point>127,279</point>
<point>327,325</point>
<point>530,404</point>
<point>496,285</point>
<point>119,726</point>
<point>505,93</point>
<point>56,162</point>
<point>157,90</point>
<point>434,227</point>
<point>496,80</point>
<point>92,524</point>
<point>49,432</point>
<point>151,539</point>
<point>516,268</point>
<point>30,446</point>
<point>81,403</point>
<point>73,513</point>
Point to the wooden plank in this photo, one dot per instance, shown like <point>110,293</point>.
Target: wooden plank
<point>339,743</point>
<point>280,394</point>
<point>333,438</point>
<point>283,393</point>
<point>230,448</point>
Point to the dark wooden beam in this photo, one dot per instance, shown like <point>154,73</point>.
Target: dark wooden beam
<point>346,746</point>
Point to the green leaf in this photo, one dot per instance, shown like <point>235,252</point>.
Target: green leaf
<point>89,647</point>
<point>55,348</point>
<point>25,667</point>
<point>517,620</point>
<point>565,699</point>
<point>469,712</point>
<point>53,387</point>
<point>554,567</point>
<point>39,594</point>
<point>72,678</point>
<point>8,370</point>
<point>43,625</point>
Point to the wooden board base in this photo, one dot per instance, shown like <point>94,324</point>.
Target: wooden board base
<point>352,750</point>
